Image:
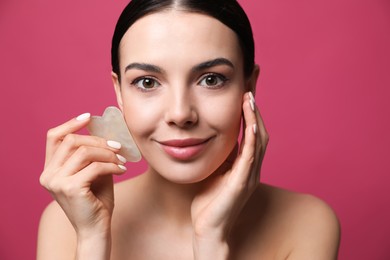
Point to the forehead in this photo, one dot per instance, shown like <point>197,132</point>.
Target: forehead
<point>180,36</point>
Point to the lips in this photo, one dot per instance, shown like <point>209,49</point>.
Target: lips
<point>184,149</point>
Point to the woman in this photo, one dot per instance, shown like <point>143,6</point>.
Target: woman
<point>184,75</point>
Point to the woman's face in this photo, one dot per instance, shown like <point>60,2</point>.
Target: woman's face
<point>181,92</point>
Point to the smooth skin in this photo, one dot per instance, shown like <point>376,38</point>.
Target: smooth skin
<point>181,77</point>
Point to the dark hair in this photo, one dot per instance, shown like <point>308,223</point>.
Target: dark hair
<point>229,12</point>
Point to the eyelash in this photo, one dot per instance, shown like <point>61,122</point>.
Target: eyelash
<point>221,80</point>
<point>141,79</point>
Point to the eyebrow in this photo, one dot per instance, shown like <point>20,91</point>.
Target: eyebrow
<point>212,63</point>
<point>202,66</point>
<point>144,66</point>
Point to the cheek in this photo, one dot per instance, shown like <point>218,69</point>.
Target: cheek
<point>225,115</point>
<point>141,116</point>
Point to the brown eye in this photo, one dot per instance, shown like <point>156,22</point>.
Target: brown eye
<point>146,83</point>
<point>213,81</point>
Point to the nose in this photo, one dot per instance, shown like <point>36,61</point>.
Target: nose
<point>181,110</point>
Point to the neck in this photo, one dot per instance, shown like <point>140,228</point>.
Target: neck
<point>171,200</point>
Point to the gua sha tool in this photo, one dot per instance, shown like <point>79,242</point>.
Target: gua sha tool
<point>112,126</point>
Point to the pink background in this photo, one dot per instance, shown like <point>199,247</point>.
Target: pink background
<point>324,93</point>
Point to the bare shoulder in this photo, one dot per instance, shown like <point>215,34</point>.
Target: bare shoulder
<point>315,228</point>
<point>294,225</point>
<point>304,209</point>
<point>57,233</point>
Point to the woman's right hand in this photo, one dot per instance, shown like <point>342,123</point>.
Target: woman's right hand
<point>78,173</point>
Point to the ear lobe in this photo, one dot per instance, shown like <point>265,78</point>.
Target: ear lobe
<point>252,81</point>
<point>117,87</point>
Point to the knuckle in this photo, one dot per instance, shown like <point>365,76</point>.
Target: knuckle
<point>102,168</point>
<point>43,180</point>
<point>83,151</point>
<point>58,186</point>
<point>46,180</point>
<point>251,159</point>
<point>53,185</point>
<point>51,134</point>
<point>248,158</point>
<point>95,166</point>
<point>70,140</point>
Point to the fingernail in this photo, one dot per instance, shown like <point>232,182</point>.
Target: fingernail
<point>122,167</point>
<point>114,144</point>
<point>252,105</point>
<point>254,127</point>
<point>251,96</point>
<point>83,117</point>
<point>121,158</point>
<point>252,101</point>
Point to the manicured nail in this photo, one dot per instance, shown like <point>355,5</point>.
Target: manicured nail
<point>121,158</point>
<point>252,101</point>
<point>83,117</point>
<point>114,144</point>
<point>252,105</point>
<point>122,167</point>
<point>254,127</point>
<point>251,96</point>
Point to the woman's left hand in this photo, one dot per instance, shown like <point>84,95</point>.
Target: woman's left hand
<point>215,209</point>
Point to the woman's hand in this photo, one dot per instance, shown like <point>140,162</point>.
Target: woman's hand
<point>215,209</point>
<point>78,173</point>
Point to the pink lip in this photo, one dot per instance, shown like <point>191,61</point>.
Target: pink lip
<point>184,149</point>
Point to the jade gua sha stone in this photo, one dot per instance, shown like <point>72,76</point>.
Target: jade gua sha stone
<point>112,126</point>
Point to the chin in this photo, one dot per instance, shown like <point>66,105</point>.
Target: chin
<point>185,173</point>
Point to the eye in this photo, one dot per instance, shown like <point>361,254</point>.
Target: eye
<point>213,80</point>
<point>146,83</point>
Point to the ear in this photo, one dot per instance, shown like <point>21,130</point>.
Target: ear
<point>252,80</point>
<point>118,92</point>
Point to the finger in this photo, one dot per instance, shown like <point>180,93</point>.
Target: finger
<point>72,142</point>
<point>57,134</point>
<point>242,168</point>
<point>86,155</point>
<point>243,128</point>
<point>262,129</point>
<point>261,143</point>
<point>263,134</point>
<point>96,169</point>
<point>260,134</point>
